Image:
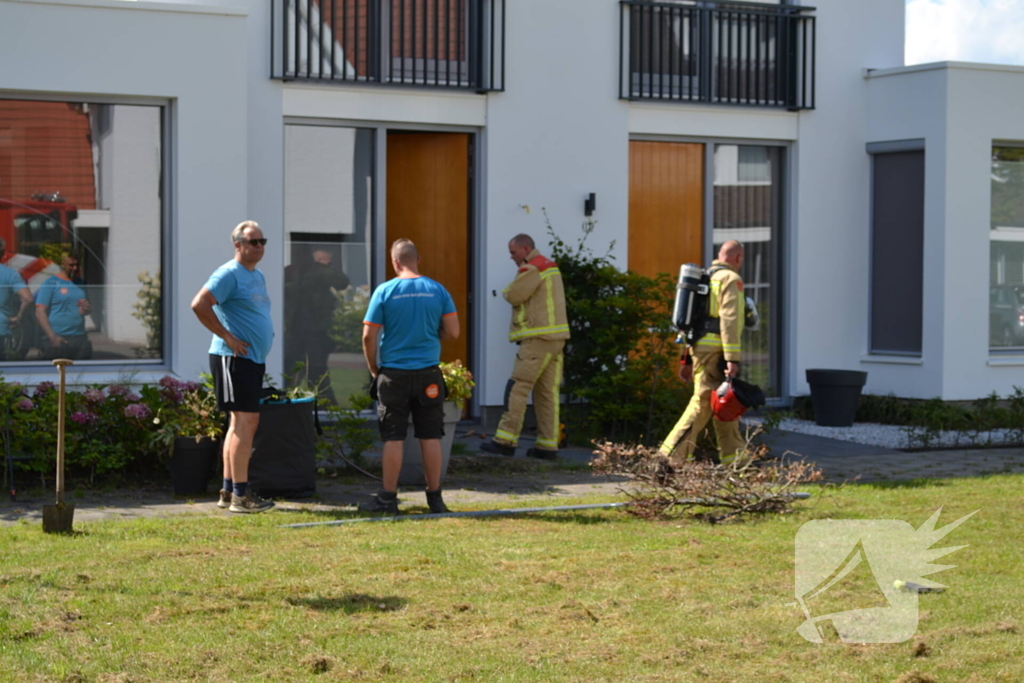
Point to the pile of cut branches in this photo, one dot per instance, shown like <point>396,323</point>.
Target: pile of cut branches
<point>661,487</point>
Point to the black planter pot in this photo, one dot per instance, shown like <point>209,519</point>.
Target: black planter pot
<point>192,464</point>
<point>283,460</point>
<point>835,394</point>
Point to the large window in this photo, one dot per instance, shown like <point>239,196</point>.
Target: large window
<point>81,218</point>
<point>329,228</point>
<point>747,208</point>
<point>897,252</point>
<point>1006,272</point>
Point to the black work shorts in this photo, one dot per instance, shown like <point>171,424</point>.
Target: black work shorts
<point>238,383</point>
<point>419,393</point>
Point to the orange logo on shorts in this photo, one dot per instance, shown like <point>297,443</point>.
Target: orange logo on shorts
<point>432,391</point>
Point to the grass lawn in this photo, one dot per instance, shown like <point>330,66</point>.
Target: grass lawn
<point>593,596</point>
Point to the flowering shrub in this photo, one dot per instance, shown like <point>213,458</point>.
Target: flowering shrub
<point>107,428</point>
<point>189,410</point>
<point>459,382</point>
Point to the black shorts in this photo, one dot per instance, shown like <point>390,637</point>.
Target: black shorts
<point>420,393</point>
<point>238,383</point>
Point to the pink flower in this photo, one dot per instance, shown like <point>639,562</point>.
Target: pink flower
<point>93,395</point>
<point>132,397</point>
<point>26,404</point>
<point>168,382</point>
<point>190,386</point>
<point>84,418</point>
<point>117,390</point>
<point>137,410</point>
<point>43,388</point>
<point>173,395</point>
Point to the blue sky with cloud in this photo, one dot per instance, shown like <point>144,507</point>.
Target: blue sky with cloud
<point>990,31</point>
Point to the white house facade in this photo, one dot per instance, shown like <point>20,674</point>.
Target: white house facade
<point>882,206</point>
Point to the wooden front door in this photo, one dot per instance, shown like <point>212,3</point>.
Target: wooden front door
<point>666,206</point>
<point>428,202</point>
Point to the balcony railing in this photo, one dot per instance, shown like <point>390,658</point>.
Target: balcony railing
<point>435,43</point>
<point>737,53</point>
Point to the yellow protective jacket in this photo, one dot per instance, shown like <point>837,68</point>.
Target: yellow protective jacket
<point>726,302</point>
<point>538,301</point>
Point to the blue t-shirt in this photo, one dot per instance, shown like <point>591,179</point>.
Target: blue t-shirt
<point>61,298</point>
<point>10,284</point>
<point>243,307</point>
<point>410,311</point>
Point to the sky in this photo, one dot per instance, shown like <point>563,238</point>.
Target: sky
<point>990,31</point>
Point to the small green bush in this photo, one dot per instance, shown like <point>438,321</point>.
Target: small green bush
<point>621,361</point>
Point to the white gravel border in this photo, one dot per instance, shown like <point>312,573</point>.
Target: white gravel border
<point>894,436</point>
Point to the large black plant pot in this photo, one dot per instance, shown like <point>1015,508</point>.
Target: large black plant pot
<point>192,464</point>
<point>835,394</point>
<point>283,461</point>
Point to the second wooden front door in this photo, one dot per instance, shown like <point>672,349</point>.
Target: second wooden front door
<point>666,206</point>
<point>428,202</point>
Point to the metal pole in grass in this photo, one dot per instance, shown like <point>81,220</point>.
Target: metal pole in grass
<point>483,513</point>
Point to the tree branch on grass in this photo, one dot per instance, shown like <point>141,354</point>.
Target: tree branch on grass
<point>662,487</point>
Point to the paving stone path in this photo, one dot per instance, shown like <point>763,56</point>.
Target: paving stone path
<point>840,461</point>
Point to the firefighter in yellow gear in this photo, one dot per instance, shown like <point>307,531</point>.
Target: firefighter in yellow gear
<point>540,327</point>
<point>702,363</point>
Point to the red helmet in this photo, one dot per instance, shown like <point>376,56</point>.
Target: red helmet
<point>733,397</point>
<point>726,404</point>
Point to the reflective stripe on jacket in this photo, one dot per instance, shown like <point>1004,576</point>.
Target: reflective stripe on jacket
<point>727,303</point>
<point>538,301</point>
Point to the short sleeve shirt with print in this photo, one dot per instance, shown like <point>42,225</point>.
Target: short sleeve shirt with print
<point>10,284</point>
<point>243,307</point>
<point>61,298</point>
<point>409,310</point>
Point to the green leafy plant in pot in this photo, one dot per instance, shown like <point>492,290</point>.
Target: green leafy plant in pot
<point>188,431</point>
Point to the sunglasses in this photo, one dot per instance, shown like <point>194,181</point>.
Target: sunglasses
<point>262,242</point>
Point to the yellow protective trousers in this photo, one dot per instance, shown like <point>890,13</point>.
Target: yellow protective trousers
<point>538,369</point>
<point>682,440</point>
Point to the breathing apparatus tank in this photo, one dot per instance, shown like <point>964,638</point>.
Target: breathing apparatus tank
<point>690,307</point>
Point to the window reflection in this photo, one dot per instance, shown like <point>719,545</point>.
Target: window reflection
<point>81,219</point>
<point>328,221</point>
<point>747,209</point>
<point>1006,273</point>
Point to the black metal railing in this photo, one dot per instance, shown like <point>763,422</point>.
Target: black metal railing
<point>437,43</point>
<point>737,53</point>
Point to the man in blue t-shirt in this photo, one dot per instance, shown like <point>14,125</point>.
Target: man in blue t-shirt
<point>61,307</point>
<point>235,306</point>
<point>15,299</point>
<point>408,316</point>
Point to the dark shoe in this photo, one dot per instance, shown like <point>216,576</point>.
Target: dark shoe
<point>493,446</point>
<point>542,453</point>
<point>250,502</point>
<point>436,503</point>
<point>224,501</point>
<point>383,501</point>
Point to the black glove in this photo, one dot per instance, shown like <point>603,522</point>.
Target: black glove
<point>373,388</point>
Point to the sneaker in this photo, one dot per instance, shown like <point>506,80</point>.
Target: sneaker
<point>250,502</point>
<point>225,499</point>
<point>542,453</point>
<point>497,448</point>
<point>436,503</point>
<point>381,502</point>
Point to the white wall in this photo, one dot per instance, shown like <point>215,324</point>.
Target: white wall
<point>828,250</point>
<point>960,109</point>
<point>907,104</point>
<point>187,56</point>
<point>984,106</point>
